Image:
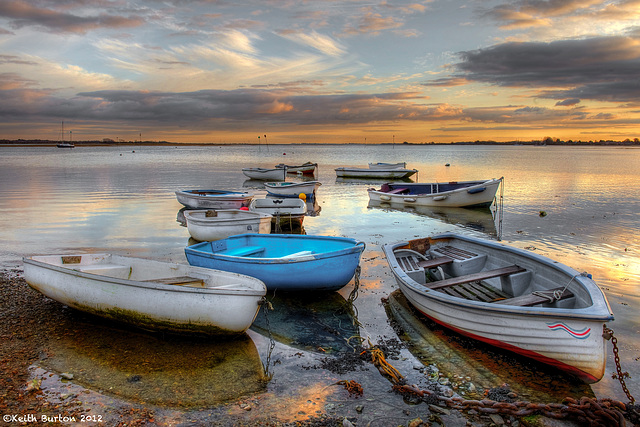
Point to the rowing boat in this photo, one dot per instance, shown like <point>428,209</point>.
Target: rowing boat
<point>507,297</point>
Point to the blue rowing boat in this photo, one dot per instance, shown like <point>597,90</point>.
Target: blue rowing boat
<point>286,262</point>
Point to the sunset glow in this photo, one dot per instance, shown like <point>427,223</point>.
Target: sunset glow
<point>320,72</point>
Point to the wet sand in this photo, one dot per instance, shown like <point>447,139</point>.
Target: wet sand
<point>32,326</point>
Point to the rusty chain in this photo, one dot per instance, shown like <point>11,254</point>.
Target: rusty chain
<point>266,306</point>
<point>587,411</point>
<point>608,335</point>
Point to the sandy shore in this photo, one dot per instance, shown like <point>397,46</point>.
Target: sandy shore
<point>32,396</point>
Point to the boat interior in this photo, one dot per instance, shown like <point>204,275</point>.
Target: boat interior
<point>428,188</point>
<point>473,275</point>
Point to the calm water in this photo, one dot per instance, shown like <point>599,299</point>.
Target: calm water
<point>121,200</point>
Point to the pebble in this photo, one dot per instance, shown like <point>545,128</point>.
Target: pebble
<point>66,376</point>
<point>496,419</point>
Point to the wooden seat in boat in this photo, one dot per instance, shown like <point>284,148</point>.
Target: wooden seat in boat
<point>435,262</point>
<point>529,300</point>
<point>455,253</point>
<point>180,281</point>
<point>475,277</point>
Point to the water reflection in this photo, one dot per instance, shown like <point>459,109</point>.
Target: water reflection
<point>486,366</point>
<point>155,369</point>
<point>481,219</point>
<point>318,323</point>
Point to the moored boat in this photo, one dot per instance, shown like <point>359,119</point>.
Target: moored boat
<point>149,294</point>
<point>277,174</point>
<point>287,207</point>
<point>381,165</point>
<point>213,199</point>
<point>507,297</point>
<point>291,189</point>
<point>389,173</point>
<point>286,262</point>
<point>286,213</point>
<point>306,168</point>
<point>450,194</point>
<point>205,225</point>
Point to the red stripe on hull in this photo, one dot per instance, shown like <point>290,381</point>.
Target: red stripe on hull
<point>586,377</point>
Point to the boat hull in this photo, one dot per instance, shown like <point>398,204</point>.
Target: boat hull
<point>467,194</point>
<point>567,338</point>
<point>328,263</point>
<point>265,174</point>
<point>305,169</point>
<point>128,290</point>
<point>291,189</point>
<point>400,165</point>
<point>213,199</point>
<point>227,222</point>
<point>394,173</point>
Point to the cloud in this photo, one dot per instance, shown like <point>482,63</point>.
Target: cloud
<point>224,109</point>
<point>372,23</point>
<point>601,68</point>
<point>568,102</point>
<point>324,44</point>
<point>23,14</point>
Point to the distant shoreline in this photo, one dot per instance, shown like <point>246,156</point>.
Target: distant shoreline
<point>48,143</point>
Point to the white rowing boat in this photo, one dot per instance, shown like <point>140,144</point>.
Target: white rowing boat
<point>149,294</point>
<point>507,297</point>
<point>207,224</point>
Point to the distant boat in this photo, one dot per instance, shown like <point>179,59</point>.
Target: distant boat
<point>507,297</point>
<point>307,168</point>
<point>292,189</point>
<point>277,174</point>
<point>400,165</point>
<point>213,199</point>
<point>388,173</point>
<point>285,213</point>
<point>449,194</point>
<point>208,224</point>
<point>63,143</point>
<point>149,294</point>
<point>286,262</point>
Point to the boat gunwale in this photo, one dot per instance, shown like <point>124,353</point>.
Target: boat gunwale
<point>207,221</point>
<point>288,184</point>
<point>151,285</point>
<point>235,195</point>
<point>358,246</point>
<point>594,312</point>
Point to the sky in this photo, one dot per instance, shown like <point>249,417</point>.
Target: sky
<point>320,71</point>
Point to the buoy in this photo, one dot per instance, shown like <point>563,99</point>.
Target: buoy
<point>302,196</point>
<point>244,208</point>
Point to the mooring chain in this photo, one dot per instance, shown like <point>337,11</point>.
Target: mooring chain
<point>608,335</point>
<point>266,306</point>
<point>593,412</point>
<point>587,411</point>
<point>354,292</point>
